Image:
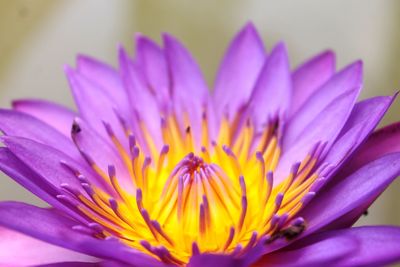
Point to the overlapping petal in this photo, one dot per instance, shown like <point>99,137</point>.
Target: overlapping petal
<point>360,188</point>
<point>50,226</point>
<point>347,79</point>
<point>305,80</point>
<point>55,115</point>
<point>239,71</point>
<point>30,251</point>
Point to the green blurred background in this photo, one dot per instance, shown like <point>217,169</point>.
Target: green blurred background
<point>38,37</point>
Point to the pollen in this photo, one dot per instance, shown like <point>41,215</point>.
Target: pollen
<point>195,195</point>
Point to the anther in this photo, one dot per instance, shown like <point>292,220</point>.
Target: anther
<point>307,198</point>
<point>108,128</point>
<point>132,142</point>
<point>82,229</point>
<point>230,238</point>
<point>75,128</point>
<point>157,226</point>
<point>195,249</point>
<point>250,244</point>
<point>243,202</point>
<point>282,220</point>
<point>111,171</point>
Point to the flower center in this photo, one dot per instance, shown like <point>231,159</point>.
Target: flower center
<point>200,195</point>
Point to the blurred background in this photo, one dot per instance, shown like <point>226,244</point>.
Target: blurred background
<point>37,38</point>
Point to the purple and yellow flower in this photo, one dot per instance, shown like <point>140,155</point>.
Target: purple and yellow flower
<point>270,168</point>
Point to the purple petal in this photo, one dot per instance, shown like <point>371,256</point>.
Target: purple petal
<point>347,79</point>
<point>378,245</point>
<point>151,60</point>
<point>189,90</point>
<point>273,89</point>
<point>114,264</point>
<point>214,260</point>
<point>382,142</point>
<point>356,190</point>
<point>106,77</point>
<point>49,226</point>
<point>239,70</point>
<point>100,152</point>
<point>36,184</point>
<point>55,115</point>
<point>362,121</point>
<point>324,128</point>
<point>319,252</point>
<point>71,264</point>
<point>308,78</point>
<point>375,246</point>
<point>143,104</point>
<point>17,249</point>
<point>95,105</point>
<point>363,110</point>
<point>187,79</point>
<point>47,162</point>
<point>15,123</point>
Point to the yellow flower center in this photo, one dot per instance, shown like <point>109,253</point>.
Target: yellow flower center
<point>207,196</point>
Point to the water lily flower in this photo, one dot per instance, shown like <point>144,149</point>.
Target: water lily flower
<point>270,168</point>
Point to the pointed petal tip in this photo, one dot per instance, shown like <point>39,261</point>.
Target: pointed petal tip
<point>327,56</point>
<point>279,46</point>
<point>171,42</point>
<point>122,55</point>
<point>167,38</point>
<point>280,50</point>
<point>357,66</point>
<point>17,102</point>
<point>69,71</point>
<point>82,58</point>
<point>143,40</point>
<point>249,28</point>
<point>121,49</point>
<point>138,35</point>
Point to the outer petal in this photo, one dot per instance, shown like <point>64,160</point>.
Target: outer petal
<point>382,142</point>
<point>113,264</point>
<point>144,106</point>
<point>308,78</point>
<point>375,246</point>
<point>363,111</point>
<point>273,90</point>
<point>324,129</point>
<point>17,249</point>
<point>239,70</point>
<point>189,90</point>
<point>316,252</point>
<point>187,79</point>
<point>362,121</point>
<point>56,229</point>
<point>14,123</point>
<point>151,60</point>
<point>47,162</point>
<point>378,245</point>
<point>347,79</point>
<point>106,77</point>
<point>55,115</point>
<point>214,260</point>
<point>356,190</point>
<point>96,105</point>
<point>71,264</point>
<point>22,174</point>
<point>100,153</point>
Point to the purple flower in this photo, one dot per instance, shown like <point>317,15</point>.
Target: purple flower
<point>270,169</point>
